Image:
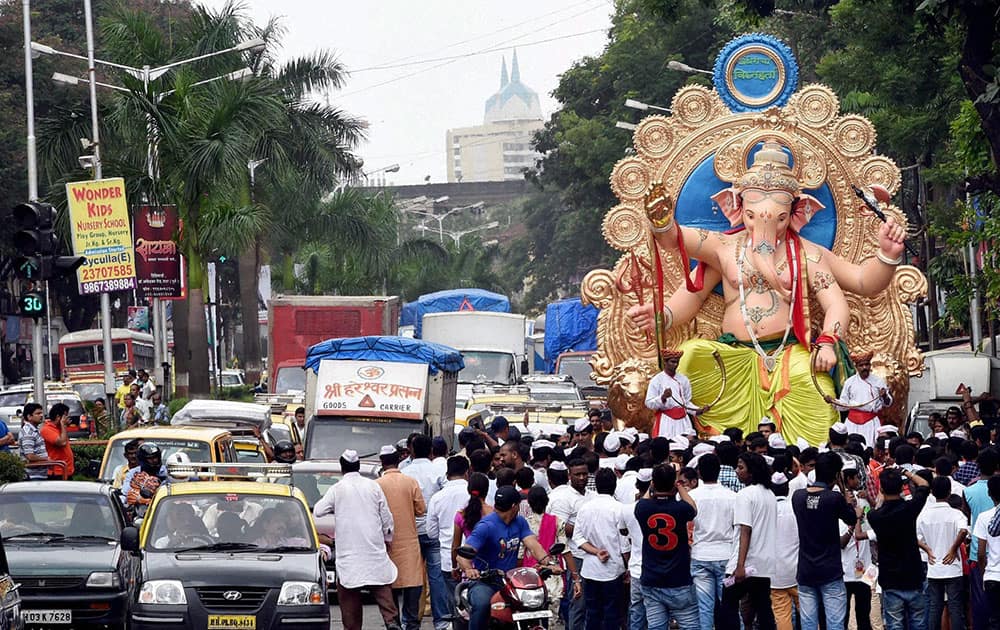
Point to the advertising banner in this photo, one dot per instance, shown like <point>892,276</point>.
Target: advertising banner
<point>138,318</point>
<point>157,256</point>
<point>99,223</point>
<point>371,388</point>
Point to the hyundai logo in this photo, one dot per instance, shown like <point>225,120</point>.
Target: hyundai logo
<point>232,596</point>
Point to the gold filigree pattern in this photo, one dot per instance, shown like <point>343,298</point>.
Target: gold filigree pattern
<point>855,135</point>
<point>815,104</point>
<point>624,228</point>
<point>654,138</point>
<point>829,148</point>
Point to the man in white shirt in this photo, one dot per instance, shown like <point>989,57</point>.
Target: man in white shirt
<point>713,537</point>
<point>569,492</point>
<point>751,564</point>
<point>941,530</point>
<point>856,554</point>
<point>363,530</point>
<point>597,533</point>
<point>870,392</point>
<point>988,551</point>
<point>669,395</point>
<point>637,606</point>
<point>625,491</point>
<point>784,585</point>
<point>441,510</point>
<point>430,480</point>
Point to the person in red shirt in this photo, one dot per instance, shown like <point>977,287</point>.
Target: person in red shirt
<point>57,440</point>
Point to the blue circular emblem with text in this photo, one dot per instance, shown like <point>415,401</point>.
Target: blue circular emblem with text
<point>755,72</point>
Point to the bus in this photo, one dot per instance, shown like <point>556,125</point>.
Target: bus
<point>81,356</point>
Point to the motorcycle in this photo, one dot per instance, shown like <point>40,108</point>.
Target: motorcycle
<point>521,603</point>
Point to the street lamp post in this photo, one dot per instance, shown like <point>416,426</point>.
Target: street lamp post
<point>457,235</point>
<point>683,67</point>
<point>146,74</point>
<point>441,217</point>
<point>634,104</point>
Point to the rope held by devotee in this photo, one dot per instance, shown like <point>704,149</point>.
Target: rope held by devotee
<point>833,401</point>
<point>722,388</point>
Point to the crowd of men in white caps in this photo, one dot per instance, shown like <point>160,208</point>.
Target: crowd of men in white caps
<point>729,532</point>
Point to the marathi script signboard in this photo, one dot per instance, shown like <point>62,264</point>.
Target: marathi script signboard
<point>371,388</point>
<point>98,217</point>
<point>755,72</point>
<point>158,259</point>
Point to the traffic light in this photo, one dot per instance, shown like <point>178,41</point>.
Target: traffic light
<point>32,304</point>
<point>37,243</point>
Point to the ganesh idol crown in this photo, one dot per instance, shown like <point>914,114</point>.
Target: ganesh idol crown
<point>745,247</point>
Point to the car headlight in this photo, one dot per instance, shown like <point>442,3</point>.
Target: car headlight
<point>300,594</point>
<point>162,592</point>
<point>531,597</point>
<point>103,579</point>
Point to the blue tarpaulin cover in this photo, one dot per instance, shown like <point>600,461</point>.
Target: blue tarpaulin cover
<point>384,348</point>
<point>569,325</point>
<point>450,301</point>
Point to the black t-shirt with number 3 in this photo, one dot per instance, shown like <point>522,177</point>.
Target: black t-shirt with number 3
<point>666,554</point>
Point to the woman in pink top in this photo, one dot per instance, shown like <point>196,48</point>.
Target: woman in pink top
<point>466,519</point>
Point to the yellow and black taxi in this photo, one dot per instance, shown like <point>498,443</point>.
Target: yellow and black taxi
<point>222,555</point>
<point>199,444</point>
<point>62,542</point>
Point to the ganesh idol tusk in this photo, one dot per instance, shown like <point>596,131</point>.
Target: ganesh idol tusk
<point>872,205</point>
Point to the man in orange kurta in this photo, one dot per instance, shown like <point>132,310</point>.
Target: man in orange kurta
<point>406,503</point>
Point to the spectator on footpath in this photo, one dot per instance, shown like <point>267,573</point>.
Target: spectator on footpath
<point>667,587</point>
<point>712,536</point>
<point>901,572</point>
<point>751,564</point>
<point>31,444</point>
<point>820,572</point>
<point>941,530</point>
<point>57,441</point>
<point>987,532</point>
<point>597,534</point>
<point>784,584</point>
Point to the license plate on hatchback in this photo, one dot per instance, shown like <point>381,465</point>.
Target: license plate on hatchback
<point>229,622</point>
<point>47,616</point>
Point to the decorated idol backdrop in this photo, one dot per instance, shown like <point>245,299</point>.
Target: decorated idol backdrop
<point>825,276</point>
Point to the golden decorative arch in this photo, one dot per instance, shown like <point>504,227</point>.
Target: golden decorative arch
<point>832,148</point>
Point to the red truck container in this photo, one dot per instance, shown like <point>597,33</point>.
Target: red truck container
<point>296,322</point>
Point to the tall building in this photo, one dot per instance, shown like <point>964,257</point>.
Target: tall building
<point>499,149</point>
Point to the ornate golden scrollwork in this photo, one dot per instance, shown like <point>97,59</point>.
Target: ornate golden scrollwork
<point>832,148</point>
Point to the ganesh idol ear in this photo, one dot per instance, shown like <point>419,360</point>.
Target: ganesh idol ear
<point>803,210</point>
<point>731,204</point>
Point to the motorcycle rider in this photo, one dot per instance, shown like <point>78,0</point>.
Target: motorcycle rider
<point>497,539</point>
<point>144,482</point>
<point>284,452</point>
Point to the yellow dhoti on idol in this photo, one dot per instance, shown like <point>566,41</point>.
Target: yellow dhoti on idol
<point>786,395</point>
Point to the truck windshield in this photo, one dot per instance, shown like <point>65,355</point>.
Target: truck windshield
<point>290,379</point>
<point>326,438</point>
<point>487,367</point>
<point>578,368</point>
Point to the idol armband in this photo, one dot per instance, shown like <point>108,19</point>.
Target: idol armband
<point>659,208</point>
<point>668,318</point>
<point>826,338</point>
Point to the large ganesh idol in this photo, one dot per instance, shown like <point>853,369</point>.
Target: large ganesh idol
<point>747,248</point>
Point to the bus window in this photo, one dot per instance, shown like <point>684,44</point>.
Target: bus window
<point>80,355</point>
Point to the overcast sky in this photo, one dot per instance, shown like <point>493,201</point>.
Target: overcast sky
<point>410,108</point>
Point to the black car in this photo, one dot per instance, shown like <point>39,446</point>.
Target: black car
<point>62,541</point>
<point>219,555</point>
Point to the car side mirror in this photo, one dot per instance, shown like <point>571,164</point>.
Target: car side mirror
<point>130,539</point>
<point>524,367</point>
<point>466,552</point>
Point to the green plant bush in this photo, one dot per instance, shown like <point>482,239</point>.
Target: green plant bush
<point>175,405</point>
<point>11,468</point>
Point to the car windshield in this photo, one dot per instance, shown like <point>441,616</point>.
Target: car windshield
<point>578,368</point>
<point>552,393</point>
<point>89,391</point>
<point>313,484</point>
<point>13,399</point>
<point>245,456</point>
<point>290,379</point>
<point>487,367</point>
<point>198,452</point>
<point>326,437</point>
<point>230,521</point>
<point>74,404</point>
<point>231,380</point>
<point>57,515</point>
